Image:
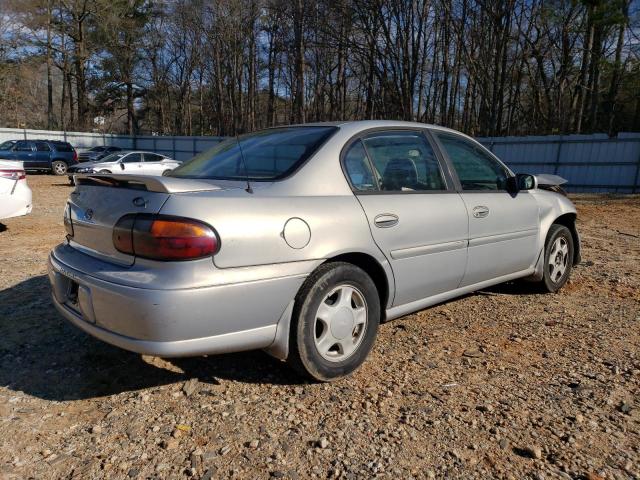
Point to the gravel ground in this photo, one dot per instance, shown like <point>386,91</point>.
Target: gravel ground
<point>504,383</point>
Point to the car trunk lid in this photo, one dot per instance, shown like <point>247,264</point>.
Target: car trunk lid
<point>99,201</point>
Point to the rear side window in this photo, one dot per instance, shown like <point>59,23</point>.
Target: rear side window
<point>42,147</point>
<point>262,156</point>
<point>358,168</point>
<point>152,157</point>
<point>476,169</point>
<point>404,162</point>
<point>63,147</point>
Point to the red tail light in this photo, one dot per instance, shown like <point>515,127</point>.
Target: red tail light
<point>13,174</point>
<point>164,238</point>
<point>75,156</point>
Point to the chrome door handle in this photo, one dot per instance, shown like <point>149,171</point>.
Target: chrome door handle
<point>480,211</point>
<point>386,220</point>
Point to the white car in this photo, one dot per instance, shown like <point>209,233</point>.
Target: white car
<point>129,162</point>
<point>15,194</point>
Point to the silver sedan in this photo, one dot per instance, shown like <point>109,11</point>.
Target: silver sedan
<point>301,240</point>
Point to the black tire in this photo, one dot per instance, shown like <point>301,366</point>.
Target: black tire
<point>552,281</point>
<point>303,353</point>
<point>104,171</point>
<point>58,167</point>
<point>166,173</point>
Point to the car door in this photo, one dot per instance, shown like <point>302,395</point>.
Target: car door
<point>415,215</point>
<point>24,150</point>
<point>43,155</point>
<point>503,225</point>
<point>132,164</point>
<point>153,164</point>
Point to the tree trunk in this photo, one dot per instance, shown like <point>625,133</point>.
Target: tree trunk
<point>617,70</point>
<point>582,88</point>
<point>298,26</point>
<point>50,115</point>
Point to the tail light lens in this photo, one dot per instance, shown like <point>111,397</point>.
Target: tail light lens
<point>160,237</point>
<point>75,156</point>
<point>68,224</point>
<point>13,174</point>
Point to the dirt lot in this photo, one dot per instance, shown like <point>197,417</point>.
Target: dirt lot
<point>500,384</point>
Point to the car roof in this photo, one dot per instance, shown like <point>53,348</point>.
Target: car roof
<point>140,151</point>
<point>359,125</point>
<point>355,127</point>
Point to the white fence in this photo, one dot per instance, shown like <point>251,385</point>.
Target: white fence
<point>591,163</point>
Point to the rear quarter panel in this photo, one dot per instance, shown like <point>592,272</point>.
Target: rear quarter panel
<point>251,227</point>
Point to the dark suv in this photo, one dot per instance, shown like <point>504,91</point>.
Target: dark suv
<point>50,155</point>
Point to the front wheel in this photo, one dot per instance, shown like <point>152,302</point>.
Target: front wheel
<point>335,321</point>
<point>166,173</point>
<point>558,258</point>
<point>104,171</point>
<point>59,167</point>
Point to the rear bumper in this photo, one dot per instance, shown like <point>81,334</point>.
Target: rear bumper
<point>171,323</point>
<point>16,204</point>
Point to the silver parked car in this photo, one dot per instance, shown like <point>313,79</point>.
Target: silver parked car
<point>301,240</point>
<point>130,162</point>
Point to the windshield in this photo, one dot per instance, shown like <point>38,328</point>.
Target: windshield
<point>114,157</point>
<point>7,145</point>
<point>266,155</point>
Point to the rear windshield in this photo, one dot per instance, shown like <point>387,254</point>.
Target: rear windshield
<point>262,156</point>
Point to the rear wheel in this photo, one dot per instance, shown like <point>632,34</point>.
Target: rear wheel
<point>104,171</point>
<point>166,173</point>
<point>58,167</point>
<point>558,258</point>
<point>335,321</point>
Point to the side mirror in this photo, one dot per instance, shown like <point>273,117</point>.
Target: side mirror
<point>121,166</point>
<point>512,185</point>
<point>526,181</point>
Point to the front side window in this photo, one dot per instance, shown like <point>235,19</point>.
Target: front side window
<point>404,162</point>
<point>132,158</point>
<point>114,157</point>
<point>261,156</point>
<point>23,146</point>
<point>476,169</point>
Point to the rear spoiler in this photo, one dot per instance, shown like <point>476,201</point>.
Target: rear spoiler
<point>144,182</point>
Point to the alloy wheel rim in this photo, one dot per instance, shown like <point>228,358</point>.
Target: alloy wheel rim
<point>558,259</point>
<point>340,323</point>
<point>60,168</point>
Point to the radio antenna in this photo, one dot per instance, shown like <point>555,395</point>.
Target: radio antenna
<point>244,165</point>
